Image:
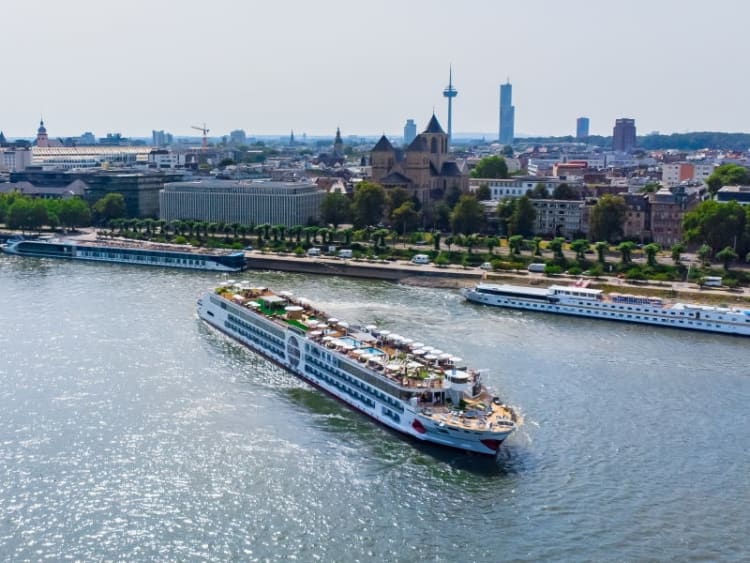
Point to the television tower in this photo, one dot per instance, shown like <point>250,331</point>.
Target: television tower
<point>450,92</point>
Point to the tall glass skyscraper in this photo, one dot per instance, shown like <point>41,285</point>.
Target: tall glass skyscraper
<point>582,127</point>
<point>410,132</point>
<point>507,114</point>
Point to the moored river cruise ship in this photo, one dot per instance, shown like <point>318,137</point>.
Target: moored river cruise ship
<point>594,303</point>
<point>125,252</point>
<point>410,387</point>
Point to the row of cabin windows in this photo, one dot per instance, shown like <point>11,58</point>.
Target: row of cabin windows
<point>346,389</point>
<point>248,334</point>
<point>251,327</point>
<point>357,383</point>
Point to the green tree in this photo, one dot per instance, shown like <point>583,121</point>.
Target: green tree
<point>556,246</point>
<point>395,198</point>
<point>704,254</point>
<point>73,213</point>
<point>580,246</point>
<point>522,219</point>
<point>492,243</point>
<point>405,217</point>
<point>442,216</point>
<point>504,212</point>
<point>626,251</point>
<point>539,191</point>
<point>336,209</point>
<point>468,215</point>
<point>514,244</point>
<point>651,187</point>
<point>651,251</point>
<point>27,214</point>
<point>717,224</point>
<point>368,205</point>
<point>537,242</point>
<point>484,193</point>
<point>111,206</point>
<point>601,248</point>
<point>727,255</point>
<point>608,217</point>
<point>677,249</point>
<point>452,196</point>
<point>726,175</point>
<point>564,191</point>
<point>490,167</point>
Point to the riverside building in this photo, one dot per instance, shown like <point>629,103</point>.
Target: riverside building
<point>242,201</point>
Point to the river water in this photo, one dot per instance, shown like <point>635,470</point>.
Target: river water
<point>130,431</point>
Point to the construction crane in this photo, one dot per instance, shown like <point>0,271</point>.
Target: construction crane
<point>203,130</point>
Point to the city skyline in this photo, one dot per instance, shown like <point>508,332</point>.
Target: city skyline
<point>269,69</point>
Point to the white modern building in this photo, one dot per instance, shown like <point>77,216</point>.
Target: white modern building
<point>516,186</point>
<point>14,159</point>
<point>248,202</point>
<point>560,218</point>
<point>674,173</point>
<point>67,158</point>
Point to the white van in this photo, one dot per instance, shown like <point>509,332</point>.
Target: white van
<point>420,259</point>
<point>345,253</point>
<point>314,251</point>
<point>712,281</point>
<point>537,268</point>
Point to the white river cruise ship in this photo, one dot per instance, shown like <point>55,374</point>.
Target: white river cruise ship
<point>125,252</point>
<point>594,303</point>
<point>413,388</point>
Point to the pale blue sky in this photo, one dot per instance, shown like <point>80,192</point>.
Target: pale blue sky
<point>268,67</point>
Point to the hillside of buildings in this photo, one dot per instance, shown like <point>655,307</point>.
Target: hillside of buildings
<point>663,212</point>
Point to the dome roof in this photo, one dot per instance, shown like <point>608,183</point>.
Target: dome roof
<point>41,129</point>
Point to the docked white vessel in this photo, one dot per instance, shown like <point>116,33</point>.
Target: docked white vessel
<point>405,385</point>
<point>125,252</point>
<point>594,303</point>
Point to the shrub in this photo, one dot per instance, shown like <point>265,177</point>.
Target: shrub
<point>575,271</point>
<point>552,269</point>
<point>442,260</point>
<point>179,239</point>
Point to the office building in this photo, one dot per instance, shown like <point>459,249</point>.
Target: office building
<point>140,189</point>
<point>582,128</point>
<point>507,114</point>
<point>623,135</point>
<point>410,132</point>
<point>246,202</point>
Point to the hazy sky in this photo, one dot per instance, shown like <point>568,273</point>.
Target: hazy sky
<point>312,65</point>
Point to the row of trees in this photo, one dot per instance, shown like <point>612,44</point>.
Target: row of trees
<point>18,211</point>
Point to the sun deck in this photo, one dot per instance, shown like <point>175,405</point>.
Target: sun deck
<point>408,364</point>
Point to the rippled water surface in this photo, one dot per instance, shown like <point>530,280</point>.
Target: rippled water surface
<point>130,431</point>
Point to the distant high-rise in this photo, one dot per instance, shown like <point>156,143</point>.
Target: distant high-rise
<point>623,135</point>
<point>450,92</point>
<point>507,114</point>
<point>158,138</point>
<point>582,127</point>
<point>238,137</point>
<point>410,132</point>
